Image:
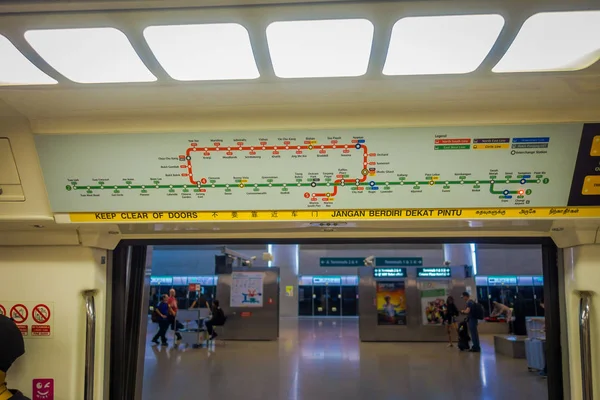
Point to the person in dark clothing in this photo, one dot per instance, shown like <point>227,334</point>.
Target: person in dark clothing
<point>472,322</point>
<point>163,321</point>
<point>449,318</point>
<point>217,319</point>
<point>12,347</point>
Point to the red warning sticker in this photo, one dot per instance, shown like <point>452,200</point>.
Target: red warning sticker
<point>41,313</point>
<point>40,330</point>
<point>38,325</point>
<point>24,329</point>
<point>19,313</point>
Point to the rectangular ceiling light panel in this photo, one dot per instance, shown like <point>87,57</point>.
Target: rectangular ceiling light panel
<point>16,69</point>
<point>449,44</point>
<point>321,48</point>
<point>203,52</point>
<point>90,55</point>
<point>554,41</point>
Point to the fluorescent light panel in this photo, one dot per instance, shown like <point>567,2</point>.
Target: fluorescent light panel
<point>203,52</point>
<point>16,69</point>
<point>554,41</point>
<point>449,44</point>
<point>90,55</point>
<point>323,48</point>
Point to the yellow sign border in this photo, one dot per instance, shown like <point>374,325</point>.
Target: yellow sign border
<point>336,215</point>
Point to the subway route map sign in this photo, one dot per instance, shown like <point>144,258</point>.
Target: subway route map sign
<point>535,171</point>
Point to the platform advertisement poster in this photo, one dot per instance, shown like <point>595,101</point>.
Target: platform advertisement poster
<point>247,289</point>
<point>433,302</point>
<point>391,303</point>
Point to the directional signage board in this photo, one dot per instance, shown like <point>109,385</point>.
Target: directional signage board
<point>434,272</point>
<point>161,280</point>
<point>327,280</point>
<point>398,261</point>
<point>389,272</point>
<point>339,174</point>
<point>502,280</point>
<point>342,262</point>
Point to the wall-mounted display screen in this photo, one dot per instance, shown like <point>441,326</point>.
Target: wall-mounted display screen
<point>389,272</point>
<point>434,272</point>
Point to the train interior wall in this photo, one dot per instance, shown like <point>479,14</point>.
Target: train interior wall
<point>57,275</point>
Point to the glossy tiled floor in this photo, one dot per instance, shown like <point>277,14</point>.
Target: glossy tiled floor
<point>324,360</point>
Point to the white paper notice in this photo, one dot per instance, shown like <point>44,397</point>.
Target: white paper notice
<point>247,289</point>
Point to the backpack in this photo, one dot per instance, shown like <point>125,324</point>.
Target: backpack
<point>478,311</point>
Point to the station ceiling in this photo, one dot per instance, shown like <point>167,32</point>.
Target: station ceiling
<point>480,97</point>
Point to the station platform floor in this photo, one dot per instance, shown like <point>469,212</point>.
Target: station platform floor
<point>323,359</point>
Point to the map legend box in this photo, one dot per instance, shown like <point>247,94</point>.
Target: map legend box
<point>452,147</point>
<point>492,146</point>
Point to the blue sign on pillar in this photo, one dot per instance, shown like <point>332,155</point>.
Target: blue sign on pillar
<point>342,262</point>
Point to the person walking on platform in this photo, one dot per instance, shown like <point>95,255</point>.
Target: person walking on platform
<point>175,325</point>
<point>12,347</point>
<point>162,311</point>
<point>471,313</point>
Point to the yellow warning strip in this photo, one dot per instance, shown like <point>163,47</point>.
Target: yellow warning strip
<point>337,215</point>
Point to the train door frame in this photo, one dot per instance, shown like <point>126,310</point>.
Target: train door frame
<point>130,283</point>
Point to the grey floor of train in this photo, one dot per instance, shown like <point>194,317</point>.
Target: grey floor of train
<point>323,359</point>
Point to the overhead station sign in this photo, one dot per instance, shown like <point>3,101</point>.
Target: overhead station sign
<point>398,261</point>
<point>342,262</point>
<point>326,175</point>
<point>434,272</point>
<point>389,272</point>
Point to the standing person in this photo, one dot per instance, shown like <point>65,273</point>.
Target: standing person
<point>200,302</point>
<point>11,348</point>
<point>449,318</point>
<point>175,325</point>
<point>163,320</point>
<point>472,322</point>
<point>217,319</point>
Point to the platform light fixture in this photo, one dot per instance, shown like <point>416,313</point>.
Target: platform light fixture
<point>270,251</point>
<point>448,44</point>
<point>554,41</point>
<point>320,48</point>
<point>16,69</point>
<point>203,52</point>
<point>297,259</point>
<point>474,257</point>
<point>90,55</point>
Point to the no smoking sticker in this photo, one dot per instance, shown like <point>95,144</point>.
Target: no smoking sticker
<point>37,325</point>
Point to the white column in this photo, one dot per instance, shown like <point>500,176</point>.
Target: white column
<point>460,255</point>
<point>582,273</point>
<point>286,258</point>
